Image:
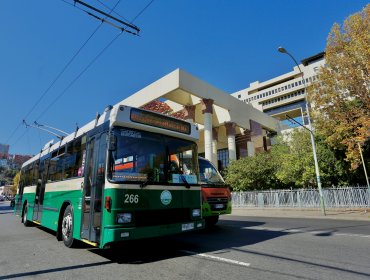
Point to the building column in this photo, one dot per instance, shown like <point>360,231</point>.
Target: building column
<point>250,148</point>
<point>214,146</point>
<point>249,143</point>
<point>189,111</point>
<point>230,132</point>
<point>207,111</point>
<point>257,145</point>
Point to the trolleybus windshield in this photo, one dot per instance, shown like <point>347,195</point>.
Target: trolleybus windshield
<point>146,157</point>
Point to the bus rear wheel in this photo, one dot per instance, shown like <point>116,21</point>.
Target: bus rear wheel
<point>67,227</point>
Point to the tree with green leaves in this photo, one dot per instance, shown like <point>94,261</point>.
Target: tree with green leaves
<point>289,164</point>
<point>296,164</point>
<point>253,173</point>
<point>341,97</point>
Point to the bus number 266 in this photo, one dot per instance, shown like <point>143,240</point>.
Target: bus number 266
<point>131,198</point>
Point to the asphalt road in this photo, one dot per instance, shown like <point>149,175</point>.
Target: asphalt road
<point>238,248</point>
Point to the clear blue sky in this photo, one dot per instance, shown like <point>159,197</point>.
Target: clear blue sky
<point>226,43</point>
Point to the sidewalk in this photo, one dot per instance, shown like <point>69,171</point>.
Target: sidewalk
<point>339,214</point>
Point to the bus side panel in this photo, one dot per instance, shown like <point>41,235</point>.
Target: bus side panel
<point>58,194</point>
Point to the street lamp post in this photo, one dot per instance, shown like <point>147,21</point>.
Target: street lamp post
<point>317,171</point>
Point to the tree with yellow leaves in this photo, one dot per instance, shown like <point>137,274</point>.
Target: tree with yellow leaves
<point>340,98</point>
<point>15,186</point>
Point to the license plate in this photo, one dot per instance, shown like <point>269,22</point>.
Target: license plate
<point>219,206</point>
<point>188,226</point>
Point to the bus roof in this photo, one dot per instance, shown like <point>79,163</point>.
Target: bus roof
<point>120,115</point>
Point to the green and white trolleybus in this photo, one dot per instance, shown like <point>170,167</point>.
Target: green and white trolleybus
<point>112,180</point>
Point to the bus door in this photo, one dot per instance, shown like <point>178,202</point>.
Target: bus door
<point>93,187</point>
<point>40,189</point>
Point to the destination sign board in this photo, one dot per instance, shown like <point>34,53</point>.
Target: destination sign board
<point>161,121</point>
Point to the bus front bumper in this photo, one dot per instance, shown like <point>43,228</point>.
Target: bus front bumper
<point>111,235</point>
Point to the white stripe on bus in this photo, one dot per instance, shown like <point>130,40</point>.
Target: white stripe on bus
<point>151,187</point>
<point>67,185</point>
<point>29,189</point>
<point>77,184</point>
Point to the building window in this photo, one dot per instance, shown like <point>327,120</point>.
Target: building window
<point>223,159</point>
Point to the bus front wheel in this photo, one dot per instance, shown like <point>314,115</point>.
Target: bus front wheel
<point>67,227</point>
<point>25,222</point>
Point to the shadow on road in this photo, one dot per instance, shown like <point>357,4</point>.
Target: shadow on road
<point>218,238</point>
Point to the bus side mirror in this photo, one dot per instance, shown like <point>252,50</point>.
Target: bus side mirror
<point>112,142</point>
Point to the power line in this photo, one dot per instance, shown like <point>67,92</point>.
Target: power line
<point>142,11</point>
<point>114,12</point>
<point>78,76</point>
<point>90,64</point>
<point>93,9</point>
<point>59,75</point>
<point>87,67</point>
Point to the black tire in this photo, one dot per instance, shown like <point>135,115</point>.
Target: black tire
<point>25,222</point>
<point>67,227</point>
<point>211,221</point>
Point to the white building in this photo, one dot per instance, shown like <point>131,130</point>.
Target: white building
<point>229,128</point>
<point>284,95</point>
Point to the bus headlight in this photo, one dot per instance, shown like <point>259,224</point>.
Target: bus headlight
<point>124,218</point>
<point>196,213</point>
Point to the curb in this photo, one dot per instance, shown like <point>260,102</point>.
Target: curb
<point>362,214</point>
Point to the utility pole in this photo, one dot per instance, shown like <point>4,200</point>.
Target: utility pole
<point>317,170</point>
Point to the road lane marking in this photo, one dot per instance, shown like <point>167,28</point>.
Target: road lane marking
<point>206,256</point>
<point>352,235</point>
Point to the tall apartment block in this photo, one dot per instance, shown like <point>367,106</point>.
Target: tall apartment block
<point>283,97</point>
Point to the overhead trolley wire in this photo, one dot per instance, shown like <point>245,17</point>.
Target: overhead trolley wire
<point>57,77</point>
<point>129,25</point>
<point>142,11</point>
<point>90,64</point>
<point>114,12</point>
<point>87,67</point>
<point>78,76</point>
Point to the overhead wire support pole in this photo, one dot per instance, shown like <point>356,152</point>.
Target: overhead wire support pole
<point>129,25</point>
<point>363,163</point>
<point>317,170</point>
<point>297,122</point>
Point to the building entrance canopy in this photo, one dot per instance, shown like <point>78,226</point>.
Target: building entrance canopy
<point>224,121</point>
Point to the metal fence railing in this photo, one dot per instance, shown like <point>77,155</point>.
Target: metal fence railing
<point>347,197</point>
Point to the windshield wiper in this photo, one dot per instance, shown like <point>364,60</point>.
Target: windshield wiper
<point>144,183</point>
<point>187,185</point>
